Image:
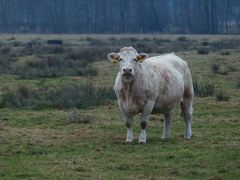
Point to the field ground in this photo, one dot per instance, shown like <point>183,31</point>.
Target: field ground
<point>43,144</point>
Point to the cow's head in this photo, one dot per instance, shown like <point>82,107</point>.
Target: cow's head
<point>129,60</point>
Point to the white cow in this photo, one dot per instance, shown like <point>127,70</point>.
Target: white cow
<point>156,84</point>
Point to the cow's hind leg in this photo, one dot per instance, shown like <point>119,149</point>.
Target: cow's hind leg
<point>167,126</point>
<point>186,108</point>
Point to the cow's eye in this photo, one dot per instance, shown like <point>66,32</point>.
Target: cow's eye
<point>135,59</point>
<point>120,59</point>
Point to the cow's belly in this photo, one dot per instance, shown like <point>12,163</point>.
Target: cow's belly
<point>167,102</point>
<point>162,106</point>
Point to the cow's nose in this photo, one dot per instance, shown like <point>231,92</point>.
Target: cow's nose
<point>127,70</point>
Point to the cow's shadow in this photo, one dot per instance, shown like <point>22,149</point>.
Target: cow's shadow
<point>154,140</point>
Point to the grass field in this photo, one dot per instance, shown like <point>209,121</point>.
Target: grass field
<point>40,141</point>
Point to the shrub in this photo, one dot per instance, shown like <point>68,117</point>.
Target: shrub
<point>205,43</point>
<point>37,48</point>
<point>32,73</point>
<point>160,41</point>
<point>46,66</point>
<point>225,53</point>
<point>55,42</point>
<point>79,96</point>
<point>182,38</point>
<point>21,97</point>
<point>143,47</point>
<point>35,42</point>
<point>215,68</point>
<point>74,117</point>
<point>5,61</point>
<point>4,50</point>
<point>238,83</point>
<point>17,44</point>
<point>203,51</point>
<point>203,88</point>
<point>222,96</point>
<point>232,68</point>
<point>65,96</point>
<point>87,71</point>
<point>11,38</point>
<point>87,55</point>
<point>96,42</point>
<point>225,44</point>
<point>221,69</point>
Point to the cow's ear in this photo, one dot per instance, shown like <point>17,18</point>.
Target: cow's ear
<point>141,57</point>
<point>113,57</point>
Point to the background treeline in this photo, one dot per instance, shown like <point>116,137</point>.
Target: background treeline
<point>120,16</point>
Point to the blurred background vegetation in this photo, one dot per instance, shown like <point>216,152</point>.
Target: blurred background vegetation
<point>120,16</point>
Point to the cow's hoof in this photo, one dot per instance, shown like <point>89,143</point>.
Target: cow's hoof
<point>128,142</point>
<point>165,139</point>
<point>187,137</point>
<point>142,142</point>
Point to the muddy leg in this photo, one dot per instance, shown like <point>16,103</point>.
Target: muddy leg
<point>167,126</point>
<point>186,107</point>
<point>144,120</point>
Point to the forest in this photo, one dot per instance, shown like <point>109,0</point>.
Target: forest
<point>120,16</point>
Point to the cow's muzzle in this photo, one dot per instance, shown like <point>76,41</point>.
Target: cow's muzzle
<point>127,72</point>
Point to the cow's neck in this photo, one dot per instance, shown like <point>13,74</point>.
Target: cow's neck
<point>127,86</point>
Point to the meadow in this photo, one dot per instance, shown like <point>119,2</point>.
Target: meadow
<point>59,117</point>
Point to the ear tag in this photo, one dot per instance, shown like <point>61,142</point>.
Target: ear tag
<point>141,60</point>
<point>114,60</point>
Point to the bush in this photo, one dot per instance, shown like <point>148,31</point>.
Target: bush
<point>35,42</point>
<point>87,55</point>
<point>225,53</point>
<point>79,96</point>
<point>87,71</point>
<point>203,88</point>
<point>74,117</point>
<point>54,66</point>
<point>4,50</point>
<point>11,38</point>
<point>222,96</point>
<point>182,38</point>
<point>215,68</point>
<point>65,96</point>
<point>55,42</point>
<point>222,69</point>
<point>205,43</point>
<point>225,44</point>
<point>238,83</point>
<point>22,97</point>
<point>46,66</point>
<point>203,51</point>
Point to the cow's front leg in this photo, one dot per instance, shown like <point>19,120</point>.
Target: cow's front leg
<point>129,123</point>
<point>144,120</point>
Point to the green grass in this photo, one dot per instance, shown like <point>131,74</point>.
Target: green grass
<point>44,144</point>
